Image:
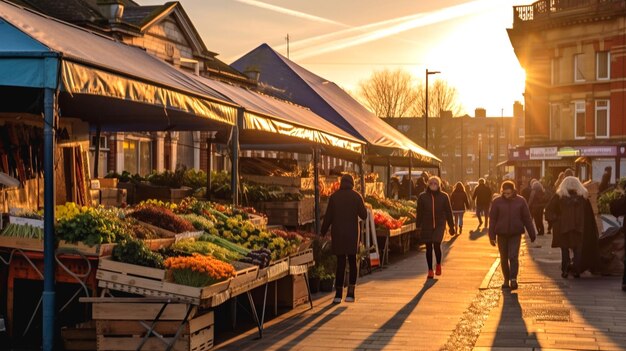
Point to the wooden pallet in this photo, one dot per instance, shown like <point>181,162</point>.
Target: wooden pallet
<point>121,325</point>
<point>151,282</point>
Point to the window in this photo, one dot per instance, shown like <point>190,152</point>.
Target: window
<point>602,119</point>
<point>457,150</point>
<point>469,170</point>
<point>521,133</point>
<point>138,156</point>
<point>555,121</point>
<point>603,65</point>
<point>104,154</point>
<point>579,68</point>
<point>579,120</point>
<point>555,71</point>
<point>502,133</point>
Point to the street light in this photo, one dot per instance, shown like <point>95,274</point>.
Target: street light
<point>426,114</point>
<point>480,151</point>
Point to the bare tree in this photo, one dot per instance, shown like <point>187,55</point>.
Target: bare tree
<point>441,97</point>
<point>389,93</point>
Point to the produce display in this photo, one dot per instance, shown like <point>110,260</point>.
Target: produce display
<point>384,221</point>
<point>259,258</point>
<point>224,243</point>
<point>401,210</point>
<point>192,246</point>
<point>92,226</point>
<point>136,252</point>
<point>162,217</point>
<point>198,270</point>
<point>199,222</point>
<point>23,231</point>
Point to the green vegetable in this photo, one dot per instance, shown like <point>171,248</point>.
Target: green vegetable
<point>206,248</point>
<point>23,231</point>
<point>136,252</point>
<point>224,243</point>
<point>93,227</point>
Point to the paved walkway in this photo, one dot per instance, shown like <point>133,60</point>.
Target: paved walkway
<point>399,309</point>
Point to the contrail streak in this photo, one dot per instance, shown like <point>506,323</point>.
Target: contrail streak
<point>290,12</point>
<point>412,22</point>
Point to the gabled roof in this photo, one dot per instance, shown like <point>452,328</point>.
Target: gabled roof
<point>328,100</point>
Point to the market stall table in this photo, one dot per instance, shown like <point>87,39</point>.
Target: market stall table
<point>403,234</point>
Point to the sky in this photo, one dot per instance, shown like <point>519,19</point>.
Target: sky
<point>346,40</point>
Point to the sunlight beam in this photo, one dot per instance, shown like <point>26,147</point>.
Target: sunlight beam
<point>290,12</point>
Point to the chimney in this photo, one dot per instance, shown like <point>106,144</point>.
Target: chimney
<point>518,110</point>
<point>480,113</point>
<point>253,74</point>
<point>112,10</point>
<point>446,114</point>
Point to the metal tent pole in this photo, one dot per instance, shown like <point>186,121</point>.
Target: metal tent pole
<point>388,177</point>
<point>316,181</point>
<point>49,304</point>
<point>96,161</point>
<point>362,173</point>
<point>234,181</point>
<point>209,166</point>
<point>410,175</point>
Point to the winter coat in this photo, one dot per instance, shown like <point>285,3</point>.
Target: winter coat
<point>482,196</point>
<point>459,201</point>
<point>537,199</point>
<point>509,217</point>
<point>574,225</point>
<point>433,211</point>
<point>345,207</point>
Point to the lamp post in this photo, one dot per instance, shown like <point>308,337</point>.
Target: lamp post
<point>426,114</point>
<point>480,151</point>
<point>209,166</point>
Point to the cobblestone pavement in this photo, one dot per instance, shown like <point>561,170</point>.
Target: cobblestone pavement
<point>399,309</point>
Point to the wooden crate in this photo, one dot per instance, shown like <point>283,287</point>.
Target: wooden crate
<point>292,291</point>
<point>119,326</point>
<point>289,213</point>
<point>108,182</point>
<point>80,338</point>
<point>244,276</point>
<point>96,250</point>
<point>276,270</point>
<point>28,244</point>
<point>151,282</point>
<point>146,192</point>
<point>295,182</point>
<point>302,258</point>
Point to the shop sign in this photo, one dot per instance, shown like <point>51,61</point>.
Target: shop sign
<point>519,154</point>
<point>598,150</point>
<point>544,153</point>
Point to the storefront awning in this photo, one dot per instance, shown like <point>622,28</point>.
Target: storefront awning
<point>331,102</point>
<point>280,118</point>
<point>37,51</point>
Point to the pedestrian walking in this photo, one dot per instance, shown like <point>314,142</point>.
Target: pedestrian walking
<point>509,216</point>
<point>345,207</point>
<point>574,226</point>
<point>482,197</point>
<point>618,209</point>
<point>433,212</point>
<point>606,180</point>
<point>536,204</point>
<point>460,203</point>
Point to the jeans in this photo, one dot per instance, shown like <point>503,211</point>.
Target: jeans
<point>429,253</point>
<point>341,270</point>
<point>566,260</point>
<point>482,211</point>
<point>458,217</point>
<point>509,255</point>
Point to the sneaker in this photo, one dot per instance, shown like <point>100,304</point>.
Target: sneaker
<point>431,274</point>
<point>438,270</point>
<point>349,298</point>
<point>513,284</point>
<point>337,300</point>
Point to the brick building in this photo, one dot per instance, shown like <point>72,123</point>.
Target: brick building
<point>470,147</point>
<point>574,56</point>
<point>166,32</point>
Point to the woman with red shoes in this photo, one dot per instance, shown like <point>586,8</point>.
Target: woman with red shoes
<point>433,212</point>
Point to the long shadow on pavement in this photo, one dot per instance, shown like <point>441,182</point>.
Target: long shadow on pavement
<point>395,323</point>
<point>512,330</point>
<point>477,234</point>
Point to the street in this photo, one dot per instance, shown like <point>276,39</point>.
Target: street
<point>397,308</point>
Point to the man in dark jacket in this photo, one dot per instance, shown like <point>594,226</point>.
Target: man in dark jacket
<point>509,216</point>
<point>482,196</point>
<point>345,207</point>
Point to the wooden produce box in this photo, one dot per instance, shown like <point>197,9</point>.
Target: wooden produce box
<point>276,270</point>
<point>289,213</point>
<point>130,191</point>
<point>121,325</point>
<point>113,197</point>
<point>80,248</point>
<point>146,192</point>
<point>292,291</point>
<point>304,258</point>
<point>108,182</point>
<point>152,282</point>
<point>80,338</point>
<point>407,228</point>
<point>27,244</point>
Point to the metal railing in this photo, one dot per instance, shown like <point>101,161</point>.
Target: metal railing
<point>548,8</point>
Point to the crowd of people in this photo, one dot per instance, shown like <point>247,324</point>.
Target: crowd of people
<point>506,212</point>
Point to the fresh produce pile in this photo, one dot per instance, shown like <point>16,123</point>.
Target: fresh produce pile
<point>198,270</point>
<point>91,226</point>
<point>384,221</point>
<point>136,252</point>
<point>23,231</point>
<point>192,246</point>
<point>162,217</point>
<point>259,258</point>
<point>401,210</point>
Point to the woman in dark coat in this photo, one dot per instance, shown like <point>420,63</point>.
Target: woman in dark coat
<point>574,227</point>
<point>536,204</point>
<point>345,207</point>
<point>460,202</point>
<point>433,212</point>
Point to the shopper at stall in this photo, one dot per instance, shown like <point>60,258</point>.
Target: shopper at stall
<point>618,209</point>
<point>345,207</point>
<point>433,212</point>
<point>536,203</point>
<point>460,203</point>
<point>574,227</point>
<point>482,196</point>
<point>509,216</point>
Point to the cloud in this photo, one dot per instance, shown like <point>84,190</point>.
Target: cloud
<point>290,12</point>
<point>390,28</point>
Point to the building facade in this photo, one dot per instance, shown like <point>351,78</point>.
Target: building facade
<point>470,147</point>
<point>573,53</point>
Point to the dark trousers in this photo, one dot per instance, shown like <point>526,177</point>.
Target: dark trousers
<point>566,260</point>
<point>341,270</point>
<point>537,213</point>
<point>624,277</point>
<point>509,255</point>
<point>429,253</point>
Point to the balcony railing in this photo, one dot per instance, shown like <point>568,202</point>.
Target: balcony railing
<point>544,9</point>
